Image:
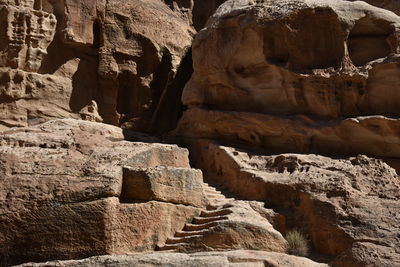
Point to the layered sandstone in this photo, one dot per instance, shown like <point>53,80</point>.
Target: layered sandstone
<point>301,76</point>
<point>391,5</point>
<point>347,206</point>
<point>70,189</point>
<point>61,185</point>
<point>206,259</point>
<point>272,78</point>
<point>105,61</point>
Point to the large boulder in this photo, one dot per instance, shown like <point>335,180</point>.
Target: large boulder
<point>167,184</point>
<point>60,192</point>
<point>304,76</point>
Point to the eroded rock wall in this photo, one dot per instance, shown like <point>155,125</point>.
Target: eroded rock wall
<point>95,60</point>
<point>347,206</point>
<point>304,76</point>
<point>61,185</point>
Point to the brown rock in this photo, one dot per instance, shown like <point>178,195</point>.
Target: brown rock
<point>206,259</point>
<point>60,184</point>
<point>371,135</point>
<point>347,206</point>
<point>392,5</point>
<point>25,36</point>
<point>105,61</point>
<point>236,225</point>
<point>139,59</point>
<point>76,19</point>
<point>142,226</point>
<point>271,73</point>
<point>174,185</point>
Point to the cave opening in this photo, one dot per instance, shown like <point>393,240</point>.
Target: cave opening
<point>368,40</point>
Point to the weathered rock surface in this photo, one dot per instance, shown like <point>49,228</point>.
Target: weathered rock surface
<point>175,185</point>
<point>348,207</point>
<point>304,76</point>
<point>139,59</point>
<point>392,5</point>
<point>108,61</point>
<point>70,189</point>
<point>206,259</point>
<point>60,184</point>
<point>233,225</point>
<point>197,12</point>
<point>371,135</point>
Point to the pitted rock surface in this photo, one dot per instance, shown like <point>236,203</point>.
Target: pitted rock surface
<point>300,76</point>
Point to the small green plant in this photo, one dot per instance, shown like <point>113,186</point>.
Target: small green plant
<point>298,244</point>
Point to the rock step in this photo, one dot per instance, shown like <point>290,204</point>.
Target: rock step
<point>210,189</point>
<point>173,246</point>
<point>219,207</point>
<point>220,202</point>
<point>183,239</point>
<point>196,227</point>
<point>218,212</point>
<point>203,220</point>
<point>214,194</point>
<point>219,189</point>
<point>190,233</point>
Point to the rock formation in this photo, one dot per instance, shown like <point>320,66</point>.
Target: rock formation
<point>391,5</point>
<point>62,181</point>
<point>346,204</point>
<point>206,259</point>
<point>76,182</point>
<point>57,58</point>
<point>288,109</point>
<point>294,83</point>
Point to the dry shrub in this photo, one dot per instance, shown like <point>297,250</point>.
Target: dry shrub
<point>298,244</point>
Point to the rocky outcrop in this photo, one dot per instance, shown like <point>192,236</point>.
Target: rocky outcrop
<point>371,135</point>
<point>271,78</point>
<point>228,224</point>
<point>105,61</point>
<point>70,189</point>
<point>214,259</point>
<point>347,206</point>
<point>60,192</point>
<point>391,5</point>
<point>139,60</point>
<point>272,75</point>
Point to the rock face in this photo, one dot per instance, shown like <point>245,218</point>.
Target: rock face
<point>61,181</point>
<point>139,59</point>
<point>285,99</point>
<point>70,189</point>
<point>271,74</point>
<point>156,184</point>
<point>95,60</point>
<point>391,5</point>
<point>213,259</point>
<point>346,206</point>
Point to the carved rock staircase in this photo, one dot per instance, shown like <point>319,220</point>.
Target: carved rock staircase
<point>217,211</point>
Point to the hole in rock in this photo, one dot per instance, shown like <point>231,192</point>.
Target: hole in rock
<point>368,40</point>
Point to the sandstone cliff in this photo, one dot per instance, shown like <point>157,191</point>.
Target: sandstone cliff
<point>286,113</point>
